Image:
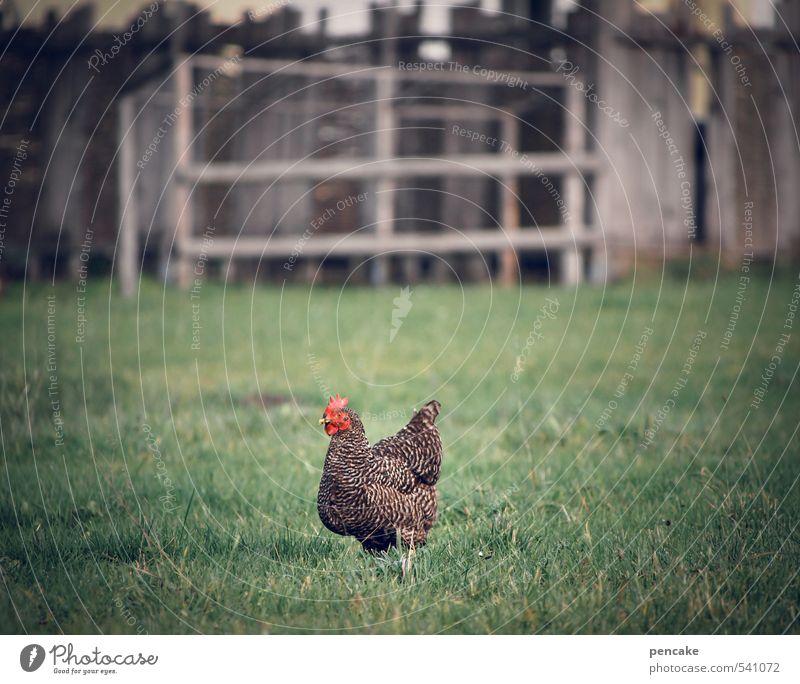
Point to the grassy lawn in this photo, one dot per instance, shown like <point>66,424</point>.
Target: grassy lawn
<point>573,498</point>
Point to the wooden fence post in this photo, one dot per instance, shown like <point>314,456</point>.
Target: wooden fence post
<point>572,258</point>
<point>509,265</point>
<point>181,188</point>
<point>384,196</point>
<point>126,200</point>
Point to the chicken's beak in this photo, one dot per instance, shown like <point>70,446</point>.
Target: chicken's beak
<point>322,421</point>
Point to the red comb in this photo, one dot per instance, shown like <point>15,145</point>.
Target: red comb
<point>336,404</point>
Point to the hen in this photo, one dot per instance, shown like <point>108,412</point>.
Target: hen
<point>377,494</point>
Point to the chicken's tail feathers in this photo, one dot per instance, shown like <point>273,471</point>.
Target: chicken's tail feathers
<point>432,407</point>
<point>424,418</point>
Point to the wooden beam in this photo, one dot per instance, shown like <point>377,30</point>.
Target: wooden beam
<point>452,113</point>
<point>409,110</point>
<point>126,200</point>
<point>509,264</point>
<point>572,259</point>
<point>320,69</point>
<point>528,239</point>
<point>384,149</point>
<point>372,168</point>
<point>181,192</point>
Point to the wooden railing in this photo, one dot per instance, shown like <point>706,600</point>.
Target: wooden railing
<point>571,241</point>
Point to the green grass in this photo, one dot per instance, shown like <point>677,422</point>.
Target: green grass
<point>552,518</point>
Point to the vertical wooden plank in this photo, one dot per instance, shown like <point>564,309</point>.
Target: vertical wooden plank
<point>384,149</point>
<point>181,190</point>
<point>126,201</point>
<point>572,257</point>
<point>509,211</point>
<point>385,143</point>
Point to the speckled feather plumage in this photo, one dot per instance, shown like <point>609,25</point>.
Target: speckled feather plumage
<point>378,493</point>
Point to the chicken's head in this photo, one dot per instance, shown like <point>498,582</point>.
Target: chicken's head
<point>335,418</point>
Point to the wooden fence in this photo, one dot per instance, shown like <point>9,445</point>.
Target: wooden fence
<point>572,241</point>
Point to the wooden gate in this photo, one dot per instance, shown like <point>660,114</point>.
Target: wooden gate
<point>389,97</point>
